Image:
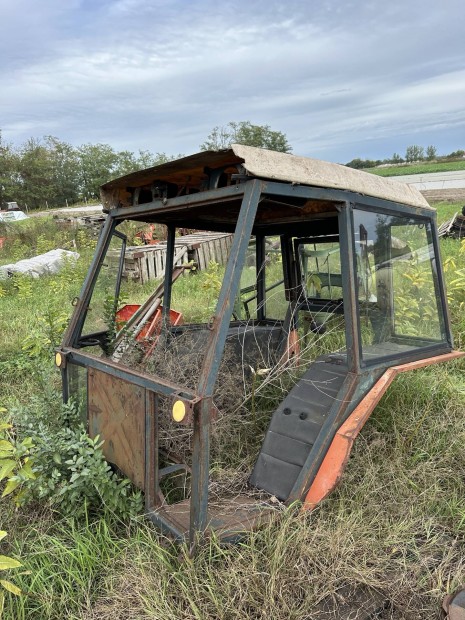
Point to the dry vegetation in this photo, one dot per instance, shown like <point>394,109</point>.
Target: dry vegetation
<point>394,527</point>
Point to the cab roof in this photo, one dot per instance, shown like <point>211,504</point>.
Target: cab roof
<point>190,173</point>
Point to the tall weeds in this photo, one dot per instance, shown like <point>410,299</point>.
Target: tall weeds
<point>395,525</point>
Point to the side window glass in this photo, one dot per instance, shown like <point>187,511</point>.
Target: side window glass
<point>100,315</point>
<point>398,292</point>
<point>276,303</point>
<point>320,268</point>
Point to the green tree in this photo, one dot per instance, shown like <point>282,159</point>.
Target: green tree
<point>9,179</point>
<point>414,153</point>
<point>244,132</point>
<point>39,173</point>
<point>125,163</point>
<point>396,159</point>
<point>458,153</point>
<point>361,164</point>
<point>35,188</point>
<point>431,152</point>
<point>97,163</point>
<point>356,163</point>
<point>146,159</point>
<point>128,162</point>
<point>64,170</point>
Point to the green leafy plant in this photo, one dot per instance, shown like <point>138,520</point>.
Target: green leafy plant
<point>23,285</point>
<point>456,282</point>
<point>7,563</point>
<point>69,467</point>
<point>110,306</point>
<point>415,297</point>
<point>212,278</point>
<point>16,249</point>
<point>65,281</point>
<point>84,241</point>
<point>16,464</point>
<point>43,244</point>
<point>50,326</point>
<point>75,477</point>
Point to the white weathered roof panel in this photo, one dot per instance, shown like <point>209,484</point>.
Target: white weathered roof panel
<point>307,171</point>
<point>270,165</point>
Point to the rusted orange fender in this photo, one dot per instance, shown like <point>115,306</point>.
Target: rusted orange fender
<point>336,458</point>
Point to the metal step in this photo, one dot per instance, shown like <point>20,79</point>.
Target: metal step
<point>295,426</point>
<point>228,517</point>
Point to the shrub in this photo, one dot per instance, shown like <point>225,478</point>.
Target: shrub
<point>16,466</point>
<point>7,563</point>
<point>69,469</point>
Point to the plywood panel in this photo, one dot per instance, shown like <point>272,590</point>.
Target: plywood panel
<point>117,414</point>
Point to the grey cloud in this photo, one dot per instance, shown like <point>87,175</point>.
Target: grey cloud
<point>159,75</point>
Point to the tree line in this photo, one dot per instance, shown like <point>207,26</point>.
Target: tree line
<point>52,173</point>
<point>413,153</point>
<point>49,173</point>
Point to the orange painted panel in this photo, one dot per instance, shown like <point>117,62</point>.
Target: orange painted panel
<point>336,458</point>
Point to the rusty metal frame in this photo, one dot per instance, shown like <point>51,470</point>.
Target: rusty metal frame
<point>214,351</point>
<point>359,380</point>
<point>180,203</point>
<point>349,287</point>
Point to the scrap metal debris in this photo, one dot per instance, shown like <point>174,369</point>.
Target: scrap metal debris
<point>92,223</point>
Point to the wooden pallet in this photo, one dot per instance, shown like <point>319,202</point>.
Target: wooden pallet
<point>144,263</point>
<point>453,228</point>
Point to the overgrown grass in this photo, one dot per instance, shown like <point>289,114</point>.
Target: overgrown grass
<point>446,210</point>
<point>423,168</point>
<point>66,561</point>
<point>395,524</point>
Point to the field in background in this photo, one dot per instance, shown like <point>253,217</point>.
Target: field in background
<point>423,168</point>
<point>395,525</point>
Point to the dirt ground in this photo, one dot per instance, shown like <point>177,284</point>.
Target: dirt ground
<point>444,195</point>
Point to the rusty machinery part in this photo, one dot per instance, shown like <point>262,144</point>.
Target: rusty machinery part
<point>332,243</point>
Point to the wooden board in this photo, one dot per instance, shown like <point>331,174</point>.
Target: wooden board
<point>117,414</point>
<point>145,263</point>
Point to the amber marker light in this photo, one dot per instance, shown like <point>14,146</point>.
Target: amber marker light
<point>58,359</point>
<point>179,411</point>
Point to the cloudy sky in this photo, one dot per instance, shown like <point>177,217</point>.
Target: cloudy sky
<point>341,79</point>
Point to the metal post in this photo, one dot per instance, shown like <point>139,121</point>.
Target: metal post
<point>200,470</point>
<point>168,274</point>
<point>151,451</point>
<point>441,298</point>
<point>65,384</point>
<point>349,288</point>
<point>120,267</point>
<point>229,288</point>
<point>210,367</point>
<point>288,268</point>
<point>261,284</point>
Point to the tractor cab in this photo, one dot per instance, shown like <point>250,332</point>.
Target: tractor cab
<point>258,343</point>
